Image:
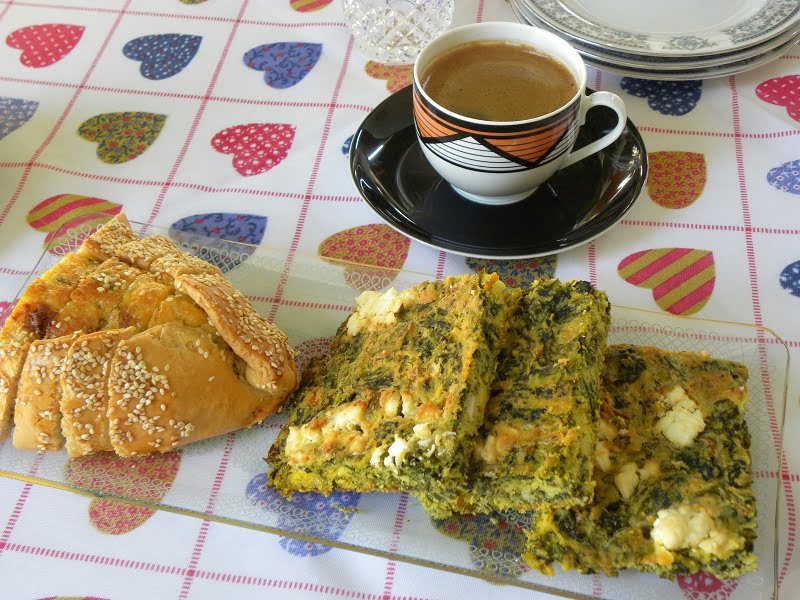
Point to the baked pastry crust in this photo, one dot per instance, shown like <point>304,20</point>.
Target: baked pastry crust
<point>125,315</point>
<point>37,412</point>
<point>270,365</point>
<point>42,300</point>
<point>84,391</point>
<point>174,384</point>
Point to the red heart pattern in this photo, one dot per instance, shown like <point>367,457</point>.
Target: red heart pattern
<point>704,586</point>
<point>676,179</point>
<point>682,279</point>
<point>782,91</point>
<point>256,147</point>
<point>5,310</point>
<point>43,45</point>
<point>397,76</point>
<point>145,478</point>
<point>378,252</point>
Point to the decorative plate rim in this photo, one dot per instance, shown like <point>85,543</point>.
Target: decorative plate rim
<point>774,18</point>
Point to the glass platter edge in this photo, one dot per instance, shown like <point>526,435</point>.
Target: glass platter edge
<point>330,287</point>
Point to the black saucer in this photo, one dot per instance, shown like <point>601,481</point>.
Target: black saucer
<point>575,206</point>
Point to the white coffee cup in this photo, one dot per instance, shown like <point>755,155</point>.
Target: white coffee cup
<point>469,153</point>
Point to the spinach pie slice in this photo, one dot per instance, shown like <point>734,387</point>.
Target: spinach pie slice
<point>536,444</point>
<point>674,491</point>
<point>397,402</point>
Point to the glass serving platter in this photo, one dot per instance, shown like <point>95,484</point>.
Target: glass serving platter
<point>224,479</point>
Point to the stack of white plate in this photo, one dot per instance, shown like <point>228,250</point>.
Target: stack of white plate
<point>670,39</point>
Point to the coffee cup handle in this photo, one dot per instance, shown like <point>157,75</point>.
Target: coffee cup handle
<point>596,99</point>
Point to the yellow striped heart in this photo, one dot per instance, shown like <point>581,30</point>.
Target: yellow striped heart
<point>60,216</point>
<point>682,279</point>
<point>309,5</point>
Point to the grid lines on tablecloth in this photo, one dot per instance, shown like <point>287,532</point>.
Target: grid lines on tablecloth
<point>595,254</point>
<point>191,571</point>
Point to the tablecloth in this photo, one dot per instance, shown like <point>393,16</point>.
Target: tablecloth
<point>189,113</point>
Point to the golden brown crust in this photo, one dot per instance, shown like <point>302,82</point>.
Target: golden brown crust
<point>171,266</point>
<point>270,365</point>
<point>95,298</point>
<point>172,385</point>
<point>84,391</point>
<point>143,253</point>
<point>29,321</point>
<point>101,244</point>
<point>231,367</point>
<point>37,414</point>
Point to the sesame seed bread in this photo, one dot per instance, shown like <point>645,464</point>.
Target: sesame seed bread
<point>37,412</point>
<point>95,298</point>
<point>101,244</point>
<point>42,300</point>
<point>270,365</point>
<point>143,253</point>
<point>173,384</point>
<point>84,391</point>
<point>120,301</point>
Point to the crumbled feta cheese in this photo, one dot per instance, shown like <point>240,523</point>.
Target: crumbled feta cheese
<point>693,527</point>
<point>683,422</point>
<point>676,395</point>
<point>348,417</point>
<point>602,456</point>
<point>374,308</point>
<point>377,455</point>
<point>606,431</point>
<point>390,403</point>
<point>409,408</point>
<point>627,479</point>
<point>423,430</point>
<point>299,437</point>
<point>397,452</point>
<point>650,469</point>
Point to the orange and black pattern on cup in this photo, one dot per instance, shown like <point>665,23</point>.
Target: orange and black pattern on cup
<point>497,148</point>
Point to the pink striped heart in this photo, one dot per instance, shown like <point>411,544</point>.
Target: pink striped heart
<point>704,586</point>
<point>682,279</point>
<point>68,218</point>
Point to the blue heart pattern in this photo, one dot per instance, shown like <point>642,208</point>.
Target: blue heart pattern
<point>790,278</point>
<point>496,542</point>
<point>225,228</point>
<point>14,113</point>
<point>309,514</point>
<point>162,55</point>
<point>346,145</point>
<point>517,273</point>
<point>285,64</point>
<point>673,98</point>
<point>786,177</point>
